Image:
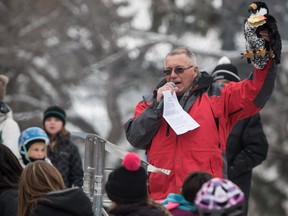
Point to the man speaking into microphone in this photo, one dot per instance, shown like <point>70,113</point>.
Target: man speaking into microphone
<point>215,108</point>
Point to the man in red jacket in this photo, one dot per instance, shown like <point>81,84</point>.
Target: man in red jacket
<point>216,109</point>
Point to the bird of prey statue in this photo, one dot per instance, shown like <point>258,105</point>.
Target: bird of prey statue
<point>258,50</point>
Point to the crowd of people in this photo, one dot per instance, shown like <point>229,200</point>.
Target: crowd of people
<point>41,172</point>
<point>40,166</point>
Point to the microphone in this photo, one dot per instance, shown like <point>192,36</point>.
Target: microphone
<point>173,84</point>
<point>160,105</point>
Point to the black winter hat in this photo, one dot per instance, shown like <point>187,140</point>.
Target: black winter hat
<point>128,183</point>
<point>225,70</point>
<point>55,111</point>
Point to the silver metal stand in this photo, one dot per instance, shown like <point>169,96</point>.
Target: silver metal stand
<point>94,167</point>
<point>99,175</point>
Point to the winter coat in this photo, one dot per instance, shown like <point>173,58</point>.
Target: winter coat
<point>8,202</point>
<point>247,147</point>
<point>179,206</point>
<point>216,107</point>
<point>66,158</point>
<point>69,202</point>
<point>9,132</point>
<point>139,209</point>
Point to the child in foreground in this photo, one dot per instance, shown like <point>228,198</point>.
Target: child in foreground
<point>220,197</point>
<point>42,192</point>
<point>183,204</point>
<point>126,187</point>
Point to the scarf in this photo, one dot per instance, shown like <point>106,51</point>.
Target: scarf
<point>190,90</point>
<point>178,198</point>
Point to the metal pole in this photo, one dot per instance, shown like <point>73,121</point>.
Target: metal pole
<point>99,161</point>
<point>88,180</point>
<point>94,167</point>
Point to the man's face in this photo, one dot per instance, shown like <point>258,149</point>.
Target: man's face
<point>182,80</point>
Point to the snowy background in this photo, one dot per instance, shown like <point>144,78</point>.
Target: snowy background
<point>96,58</point>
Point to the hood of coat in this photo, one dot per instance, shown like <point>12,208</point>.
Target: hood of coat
<point>71,201</point>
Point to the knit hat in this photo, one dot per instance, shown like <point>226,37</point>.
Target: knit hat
<point>3,83</point>
<point>225,70</point>
<point>55,111</point>
<point>128,183</point>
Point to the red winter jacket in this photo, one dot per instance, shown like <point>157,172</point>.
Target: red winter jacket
<point>216,107</point>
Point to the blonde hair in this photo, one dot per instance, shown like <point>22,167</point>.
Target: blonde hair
<point>37,179</point>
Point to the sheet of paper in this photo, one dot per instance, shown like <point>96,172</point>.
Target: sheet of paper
<point>179,120</point>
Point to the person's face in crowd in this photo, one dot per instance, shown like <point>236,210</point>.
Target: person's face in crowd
<point>222,81</point>
<point>37,150</point>
<point>183,77</point>
<point>53,125</point>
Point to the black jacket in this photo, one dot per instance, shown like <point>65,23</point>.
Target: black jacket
<point>66,158</point>
<point>8,202</point>
<point>69,202</point>
<point>247,147</point>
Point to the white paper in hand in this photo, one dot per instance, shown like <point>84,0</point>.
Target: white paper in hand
<point>179,120</point>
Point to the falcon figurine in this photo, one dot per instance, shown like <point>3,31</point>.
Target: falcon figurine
<point>258,49</point>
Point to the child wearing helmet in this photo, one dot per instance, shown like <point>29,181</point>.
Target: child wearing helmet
<point>219,197</point>
<point>32,144</point>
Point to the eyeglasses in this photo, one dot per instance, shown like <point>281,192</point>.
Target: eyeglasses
<point>177,70</point>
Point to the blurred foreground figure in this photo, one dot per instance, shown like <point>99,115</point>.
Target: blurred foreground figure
<point>10,171</point>
<point>42,193</point>
<point>127,188</point>
<point>220,197</point>
<point>183,204</point>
